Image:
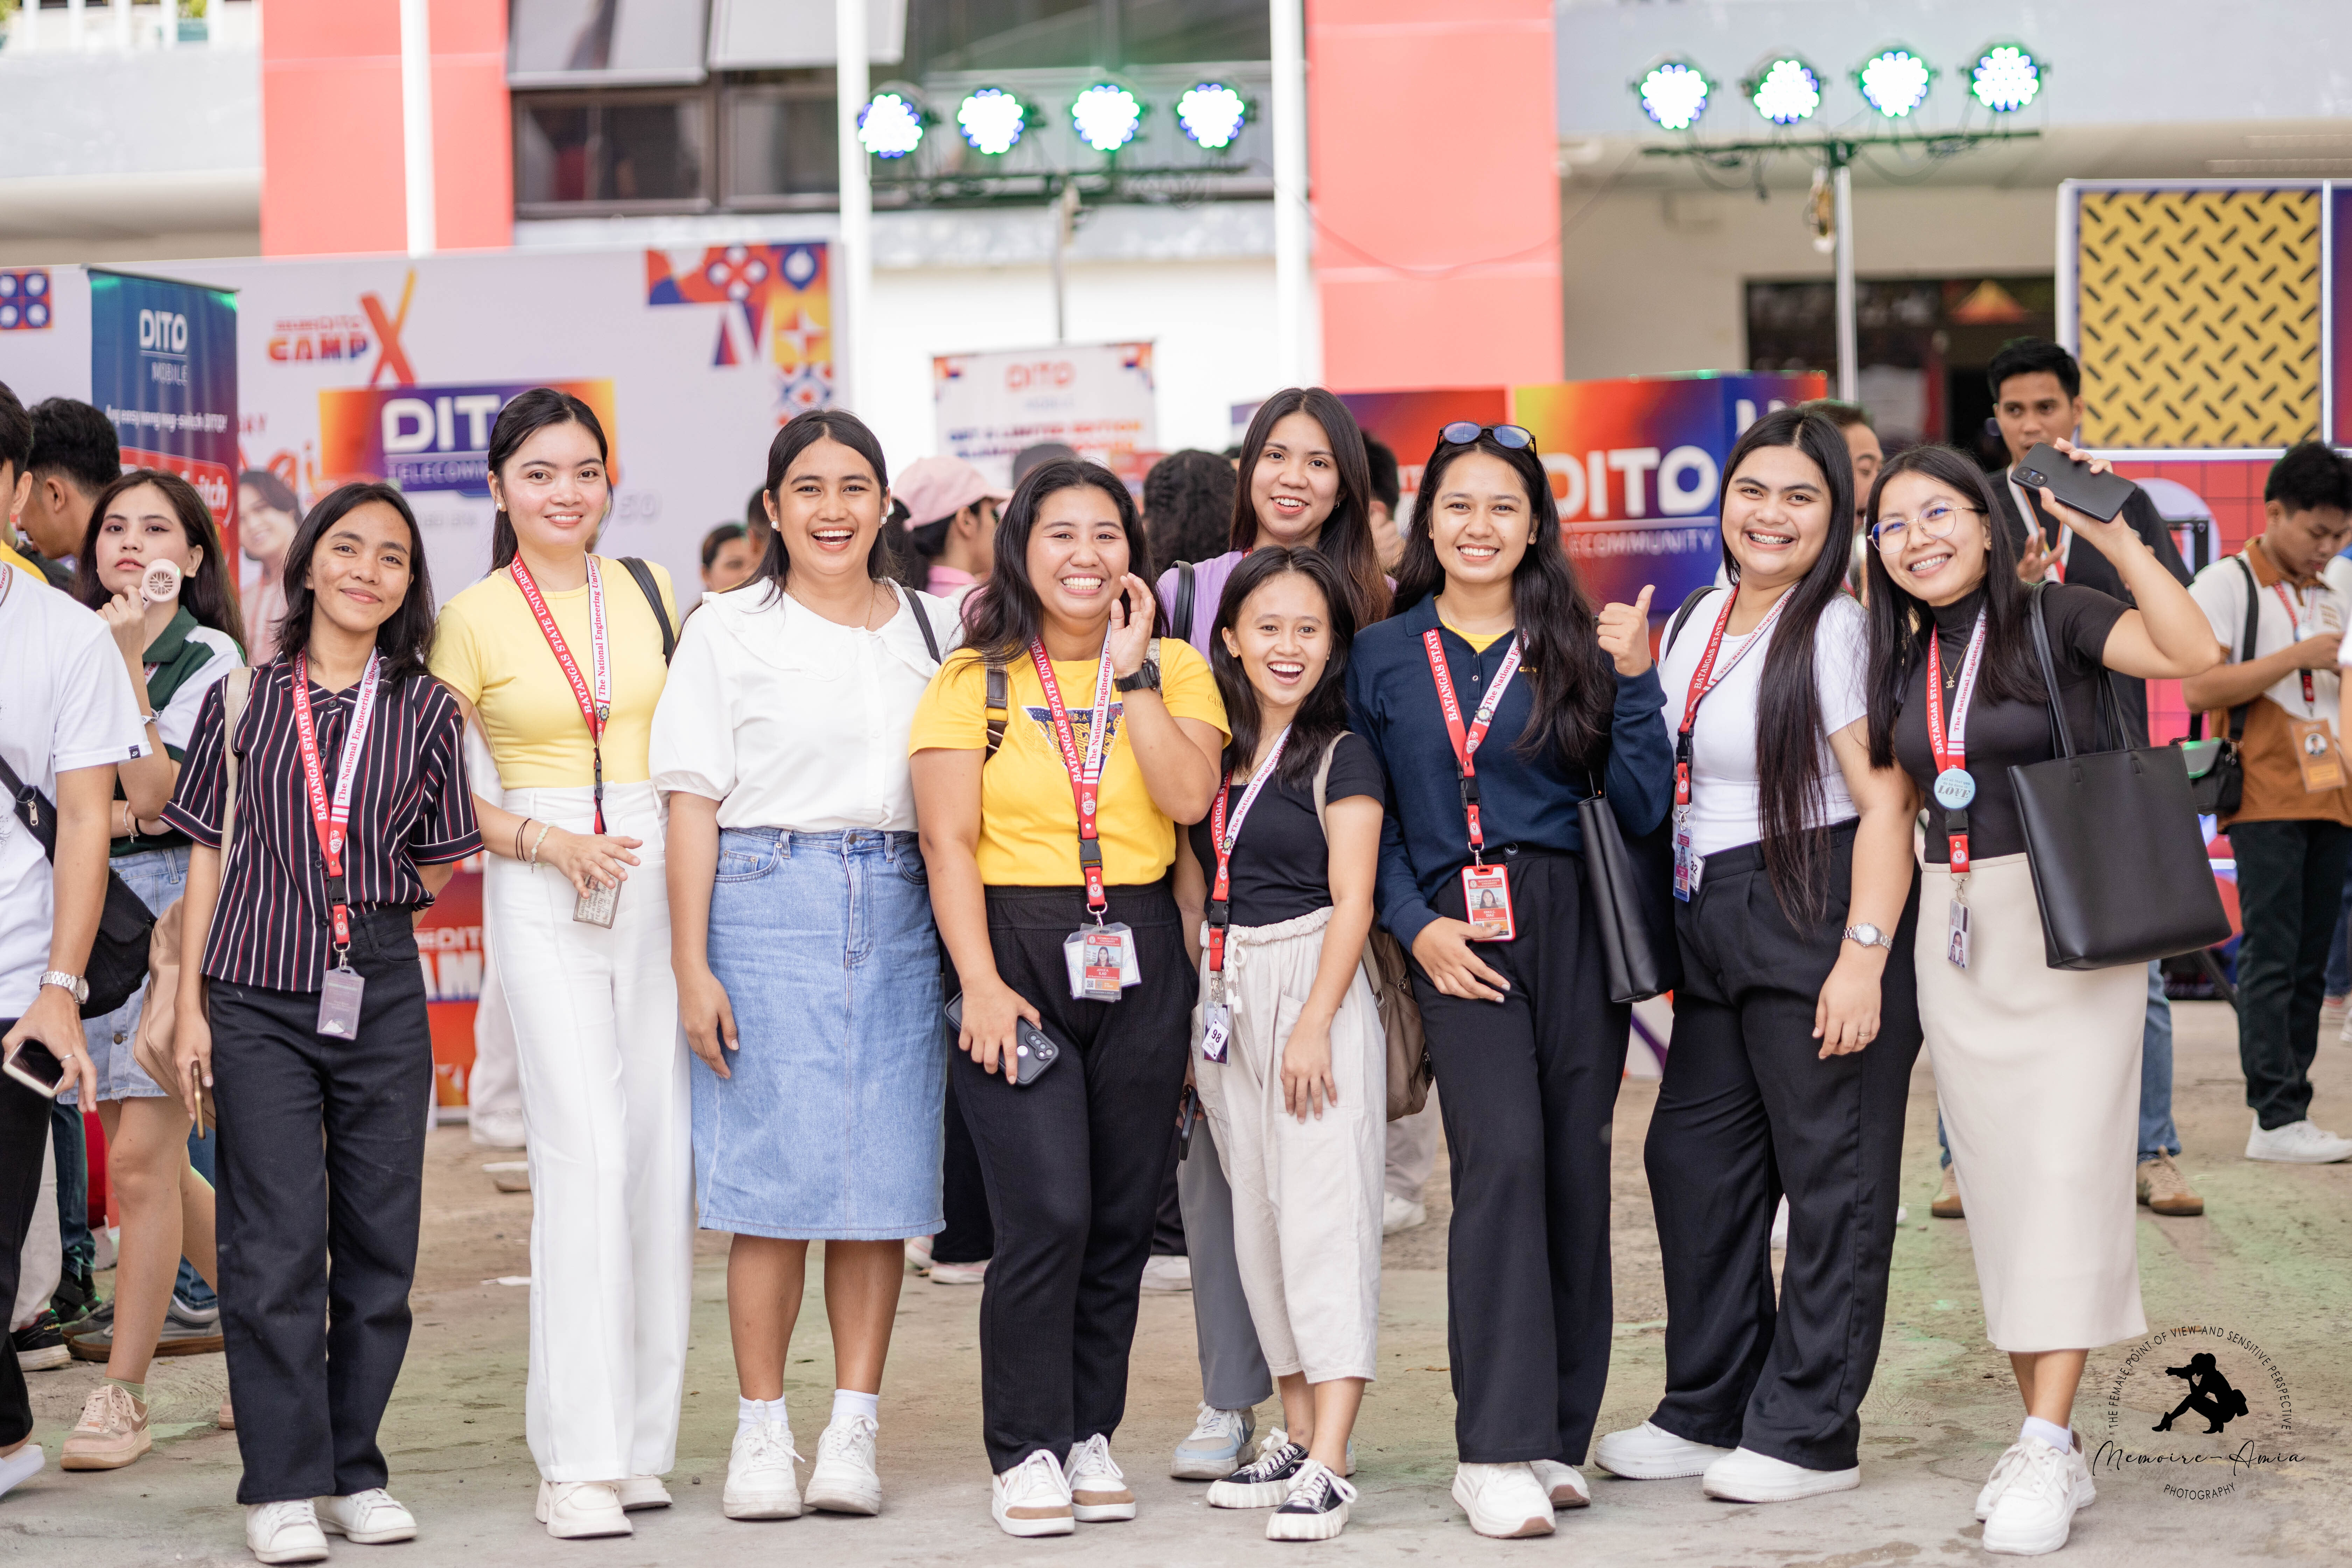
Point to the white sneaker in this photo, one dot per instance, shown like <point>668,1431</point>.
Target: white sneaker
<point>2079,1468</point>
<point>369,1518</point>
<point>918,1254</point>
<point>1564,1483</point>
<point>1168,1274</point>
<point>1033,1497</point>
<point>2297,1142</point>
<point>1746,1476</point>
<point>1650,1453</point>
<point>761,1480</point>
<point>1316,1510</point>
<point>496,1131</point>
<point>1212,1450</point>
<point>1503,1500</point>
<point>284,1532</point>
<point>844,1480</point>
<point>2036,1509</point>
<point>642,1492</point>
<point>1400,1214</point>
<point>958,1273</point>
<point>1099,1490</point>
<point>580,1511</point>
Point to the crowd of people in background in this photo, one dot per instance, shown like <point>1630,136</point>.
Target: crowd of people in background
<point>1069,896</point>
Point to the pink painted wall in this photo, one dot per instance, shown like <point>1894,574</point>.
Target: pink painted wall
<point>1431,135</point>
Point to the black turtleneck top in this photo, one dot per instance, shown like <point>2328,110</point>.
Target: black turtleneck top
<point>2002,735</point>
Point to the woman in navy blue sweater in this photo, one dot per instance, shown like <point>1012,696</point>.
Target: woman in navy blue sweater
<point>1495,652</point>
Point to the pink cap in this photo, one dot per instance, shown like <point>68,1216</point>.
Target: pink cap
<point>936,488</point>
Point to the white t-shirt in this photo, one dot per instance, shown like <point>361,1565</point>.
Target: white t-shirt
<point>1725,807</point>
<point>64,704</point>
<point>2221,592</point>
<point>788,721</point>
<point>176,720</point>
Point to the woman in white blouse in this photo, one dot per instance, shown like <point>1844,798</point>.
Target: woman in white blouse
<point>807,966</point>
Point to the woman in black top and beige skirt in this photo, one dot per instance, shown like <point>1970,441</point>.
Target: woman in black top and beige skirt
<point>2037,1068</point>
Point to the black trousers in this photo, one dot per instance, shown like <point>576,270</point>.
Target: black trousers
<point>1073,1163</point>
<point>965,1235</point>
<point>1749,1110</point>
<point>321,1178</point>
<point>2290,888</point>
<point>1526,1088</point>
<point>24,1139</point>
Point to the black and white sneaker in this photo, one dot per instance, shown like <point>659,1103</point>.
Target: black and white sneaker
<point>1316,1510</point>
<point>1264,1482</point>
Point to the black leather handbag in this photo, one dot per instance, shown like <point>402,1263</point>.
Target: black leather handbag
<point>2119,867</point>
<point>1633,900</point>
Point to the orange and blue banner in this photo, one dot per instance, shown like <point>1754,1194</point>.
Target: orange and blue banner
<point>434,438</point>
<point>162,365</point>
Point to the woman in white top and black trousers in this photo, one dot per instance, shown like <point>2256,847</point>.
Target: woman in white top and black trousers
<point>808,967</point>
<point>1797,1021</point>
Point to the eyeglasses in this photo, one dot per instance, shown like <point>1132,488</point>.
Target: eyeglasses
<point>1937,521</point>
<point>1463,432</point>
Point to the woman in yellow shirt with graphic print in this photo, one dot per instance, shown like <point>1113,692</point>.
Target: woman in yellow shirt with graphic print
<point>1054,756</point>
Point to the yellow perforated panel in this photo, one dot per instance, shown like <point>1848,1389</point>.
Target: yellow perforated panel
<point>2199,312</point>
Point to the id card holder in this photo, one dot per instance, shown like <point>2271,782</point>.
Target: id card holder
<point>597,906</point>
<point>2315,755</point>
<point>338,1004</point>
<point>1216,1031</point>
<point>1688,863</point>
<point>1956,939</point>
<point>1487,903</point>
<point>1100,960</point>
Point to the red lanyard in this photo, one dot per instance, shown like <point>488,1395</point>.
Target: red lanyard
<point>332,819</point>
<point>598,709</point>
<point>1951,749</point>
<point>1467,741</point>
<point>1224,841</point>
<point>1704,679</point>
<point>2295,629</point>
<point>1085,771</point>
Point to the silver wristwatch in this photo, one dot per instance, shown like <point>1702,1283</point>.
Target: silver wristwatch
<point>73,985</point>
<point>1870,936</point>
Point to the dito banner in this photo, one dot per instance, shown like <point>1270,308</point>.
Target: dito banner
<point>162,366</point>
<point>1096,398</point>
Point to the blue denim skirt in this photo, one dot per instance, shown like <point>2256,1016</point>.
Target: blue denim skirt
<point>830,1127</point>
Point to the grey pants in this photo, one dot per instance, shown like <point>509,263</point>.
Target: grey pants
<point>1413,1152</point>
<point>1233,1369</point>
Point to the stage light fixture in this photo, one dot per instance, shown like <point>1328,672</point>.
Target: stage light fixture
<point>991,119</point>
<point>2005,77</point>
<point>890,126</point>
<point>1212,114</point>
<point>1894,82</point>
<point>1107,116</point>
<point>1673,95</point>
<point>1785,91</point>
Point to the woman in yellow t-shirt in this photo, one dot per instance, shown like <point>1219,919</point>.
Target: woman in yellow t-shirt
<point>1072,1158</point>
<point>576,911</point>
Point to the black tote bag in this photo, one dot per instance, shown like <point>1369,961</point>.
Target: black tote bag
<point>2119,867</point>
<point>1633,900</point>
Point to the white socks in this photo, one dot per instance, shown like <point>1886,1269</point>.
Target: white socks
<point>849,1402</point>
<point>846,1402</point>
<point>2055,1435</point>
<point>21,1466</point>
<point>751,1411</point>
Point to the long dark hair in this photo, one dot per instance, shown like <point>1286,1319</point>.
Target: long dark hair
<point>1346,536</point>
<point>801,432</point>
<point>1324,712</point>
<point>1003,616</point>
<point>1575,683</point>
<point>406,636</point>
<point>518,422</point>
<point>1901,623</point>
<point>1788,739</point>
<point>209,592</point>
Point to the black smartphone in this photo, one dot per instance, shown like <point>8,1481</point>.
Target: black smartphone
<point>2071,481</point>
<point>1188,1112</point>
<point>1033,1050</point>
<point>31,1065</point>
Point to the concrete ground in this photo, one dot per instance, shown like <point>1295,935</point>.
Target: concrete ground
<point>2268,1262</point>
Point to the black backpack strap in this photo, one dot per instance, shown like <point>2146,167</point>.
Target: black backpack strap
<point>2246,644</point>
<point>1000,705</point>
<point>645,576</point>
<point>1180,621</point>
<point>922,622</point>
<point>1690,602</point>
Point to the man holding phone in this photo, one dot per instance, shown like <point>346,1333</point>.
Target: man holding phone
<point>65,720</point>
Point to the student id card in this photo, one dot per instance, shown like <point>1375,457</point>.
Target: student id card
<point>1487,903</point>
<point>1216,1031</point>
<point>2316,754</point>
<point>1101,960</point>
<point>1688,863</point>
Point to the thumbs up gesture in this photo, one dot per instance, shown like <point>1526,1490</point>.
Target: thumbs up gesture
<point>1626,634</point>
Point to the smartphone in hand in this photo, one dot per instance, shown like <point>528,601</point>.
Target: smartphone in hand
<point>1033,1050</point>
<point>31,1065</point>
<point>2072,482</point>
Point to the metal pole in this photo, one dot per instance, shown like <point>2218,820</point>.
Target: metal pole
<point>1066,219</point>
<point>1848,349</point>
<point>417,123</point>
<point>1288,30</point>
<point>852,259</point>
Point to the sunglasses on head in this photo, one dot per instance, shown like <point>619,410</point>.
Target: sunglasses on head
<point>1463,432</point>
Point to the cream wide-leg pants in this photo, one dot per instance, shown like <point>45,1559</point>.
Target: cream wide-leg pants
<point>604,1098</point>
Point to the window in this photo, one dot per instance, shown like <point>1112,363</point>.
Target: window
<point>782,143</point>
<point>617,152</point>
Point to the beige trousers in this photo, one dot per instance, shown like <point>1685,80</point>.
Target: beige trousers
<point>1306,1195</point>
